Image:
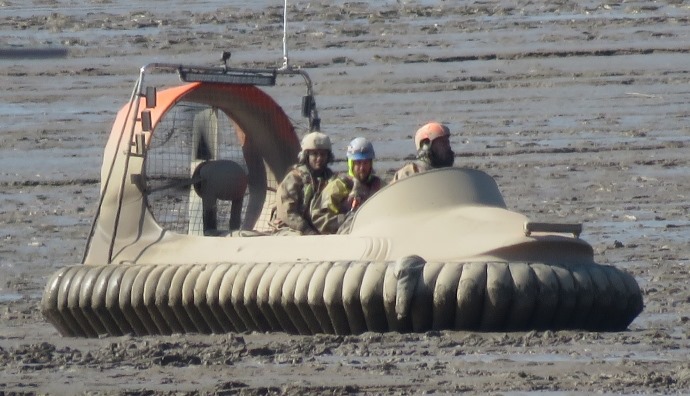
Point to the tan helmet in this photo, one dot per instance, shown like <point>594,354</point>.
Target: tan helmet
<point>430,132</point>
<point>316,141</point>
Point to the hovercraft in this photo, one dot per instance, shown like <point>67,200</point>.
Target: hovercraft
<point>181,241</point>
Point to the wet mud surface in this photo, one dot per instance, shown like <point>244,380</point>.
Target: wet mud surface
<point>578,109</point>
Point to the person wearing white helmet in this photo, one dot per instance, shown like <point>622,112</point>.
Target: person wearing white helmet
<point>432,141</point>
<point>302,184</point>
<point>345,193</point>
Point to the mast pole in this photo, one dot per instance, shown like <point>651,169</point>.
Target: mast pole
<point>286,62</point>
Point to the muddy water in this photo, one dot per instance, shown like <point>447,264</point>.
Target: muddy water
<point>578,109</point>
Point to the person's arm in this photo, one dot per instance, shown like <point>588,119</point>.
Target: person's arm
<point>408,170</point>
<point>326,213</point>
<point>290,209</point>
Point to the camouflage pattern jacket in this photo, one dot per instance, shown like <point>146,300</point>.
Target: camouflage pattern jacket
<point>295,197</point>
<point>341,196</point>
<point>411,168</point>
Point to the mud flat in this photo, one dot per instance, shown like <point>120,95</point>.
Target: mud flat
<point>578,109</point>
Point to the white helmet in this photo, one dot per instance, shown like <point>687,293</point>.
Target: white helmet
<point>360,149</point>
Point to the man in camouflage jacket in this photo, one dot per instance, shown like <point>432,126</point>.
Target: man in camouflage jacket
<point>302,185</point>
<point>433,151</point>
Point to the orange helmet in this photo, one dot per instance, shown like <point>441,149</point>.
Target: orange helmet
<point>430,132</point>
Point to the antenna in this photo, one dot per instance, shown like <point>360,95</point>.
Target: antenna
<point>286,62</point>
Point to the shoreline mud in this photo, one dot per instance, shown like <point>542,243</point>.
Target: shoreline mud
<point>578,110</point>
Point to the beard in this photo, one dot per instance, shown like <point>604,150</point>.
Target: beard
<point>445,160</point>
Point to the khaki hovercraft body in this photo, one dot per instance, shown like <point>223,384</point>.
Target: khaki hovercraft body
<point>181,239</point>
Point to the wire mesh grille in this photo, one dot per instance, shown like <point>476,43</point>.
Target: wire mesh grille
<point>173,155</point>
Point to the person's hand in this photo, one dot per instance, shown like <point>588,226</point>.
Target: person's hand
<point>356,201</point>
<point>355,197</point>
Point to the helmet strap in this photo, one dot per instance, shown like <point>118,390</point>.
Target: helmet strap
<point>351,170</point>
<point>302,157</point>
<point>424,152</point>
